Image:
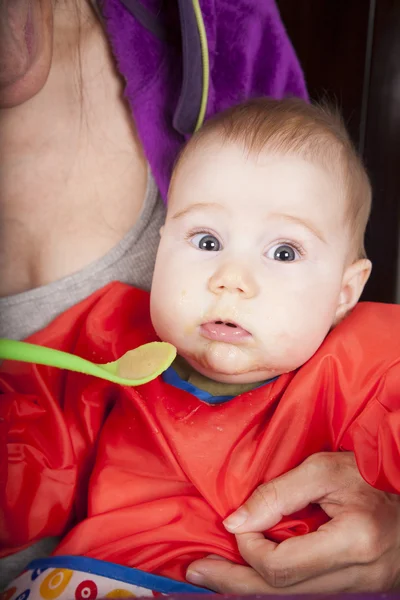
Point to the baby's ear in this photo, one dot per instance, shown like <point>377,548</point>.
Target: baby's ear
<point>354,279</point>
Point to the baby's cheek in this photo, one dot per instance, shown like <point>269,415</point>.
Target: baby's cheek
<point>296,344</point>
<point>174,320</point>
<point>311,339</point>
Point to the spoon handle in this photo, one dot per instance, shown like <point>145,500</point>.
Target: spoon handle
<point>41,355</point>
<point>32,353</point>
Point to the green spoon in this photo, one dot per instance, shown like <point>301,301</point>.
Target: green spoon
<point>135,367</point>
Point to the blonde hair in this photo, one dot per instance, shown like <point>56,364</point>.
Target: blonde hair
<point>313,132</point>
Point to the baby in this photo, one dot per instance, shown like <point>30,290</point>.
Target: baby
<point>262,251</point>
<point>260,265</point>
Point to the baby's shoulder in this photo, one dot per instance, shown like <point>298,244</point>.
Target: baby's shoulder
<point>369,336</point>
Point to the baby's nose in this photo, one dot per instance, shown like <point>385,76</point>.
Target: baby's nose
<point>233,278</point>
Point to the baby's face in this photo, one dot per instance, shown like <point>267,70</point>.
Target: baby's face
<point>249,273</point>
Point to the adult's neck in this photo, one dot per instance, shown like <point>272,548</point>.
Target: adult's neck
<point>73,175</point>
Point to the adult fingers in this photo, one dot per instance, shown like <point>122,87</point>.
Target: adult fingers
<point>318,476</point>
<point>343,542</point>
<point>225,577</point>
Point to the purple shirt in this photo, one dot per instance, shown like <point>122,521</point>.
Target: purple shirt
<point>157,49</point>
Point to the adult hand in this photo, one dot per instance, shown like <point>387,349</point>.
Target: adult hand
<point>357,550</point>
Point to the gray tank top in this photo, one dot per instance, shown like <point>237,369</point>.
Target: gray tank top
<point>130,261</point>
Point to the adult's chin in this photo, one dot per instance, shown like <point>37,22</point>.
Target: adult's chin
<point>26,48</point>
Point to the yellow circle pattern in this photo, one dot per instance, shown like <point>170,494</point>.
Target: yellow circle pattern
<point>55,583</point>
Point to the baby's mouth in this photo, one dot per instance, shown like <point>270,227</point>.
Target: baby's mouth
<point>224,331</point>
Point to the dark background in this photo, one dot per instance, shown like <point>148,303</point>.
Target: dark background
<point>350,53</point>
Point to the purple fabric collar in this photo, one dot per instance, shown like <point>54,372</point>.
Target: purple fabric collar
<point>249,52</point>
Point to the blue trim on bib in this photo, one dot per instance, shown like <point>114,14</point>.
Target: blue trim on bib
<point>171,377</point>
<point>93,566</point>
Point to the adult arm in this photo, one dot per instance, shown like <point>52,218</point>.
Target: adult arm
<point>357,550</point>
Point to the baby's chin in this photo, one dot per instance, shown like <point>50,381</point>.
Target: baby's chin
<point>227,363</point>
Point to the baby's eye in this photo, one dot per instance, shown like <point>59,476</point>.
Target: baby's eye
<point>283,253</point>
<point>206,242</point>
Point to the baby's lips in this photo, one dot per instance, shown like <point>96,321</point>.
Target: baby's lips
<point>224,331</point>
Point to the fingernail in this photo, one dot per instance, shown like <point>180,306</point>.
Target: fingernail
<point>214,557</point>
<point>194,577</point>
<point>236,519</point>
